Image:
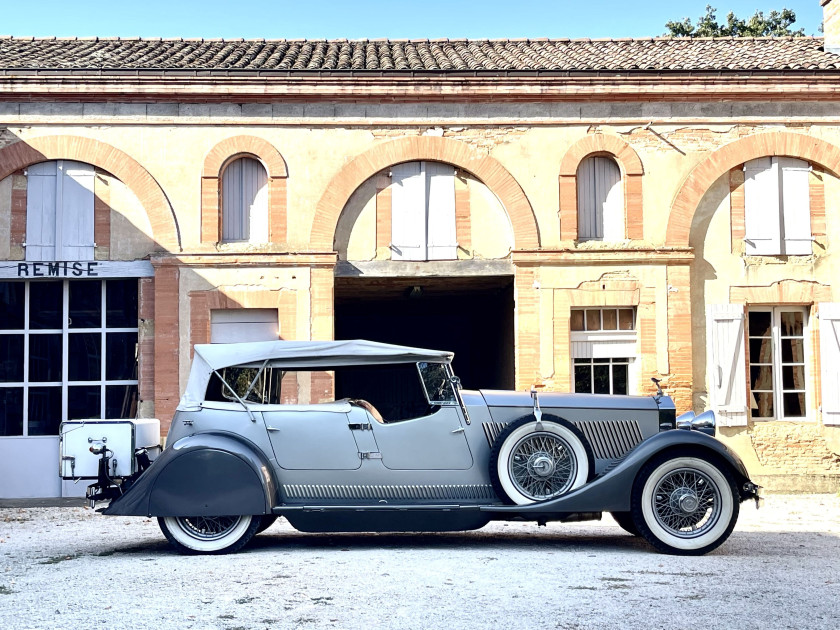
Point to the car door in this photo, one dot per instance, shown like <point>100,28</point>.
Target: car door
<point>432,442</point>
<point>312,437</point>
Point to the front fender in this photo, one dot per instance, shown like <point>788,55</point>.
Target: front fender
<point>611,492</point>
<point>208,474</point>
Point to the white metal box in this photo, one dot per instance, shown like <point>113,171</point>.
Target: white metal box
<point>121,437</point>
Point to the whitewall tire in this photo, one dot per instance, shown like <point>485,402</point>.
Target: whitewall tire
<point>209,534</point>
<point>685,504</point>
<point>533,461</point>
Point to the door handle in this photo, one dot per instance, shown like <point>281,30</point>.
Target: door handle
<point>458,430</point>
<point>272,428</point>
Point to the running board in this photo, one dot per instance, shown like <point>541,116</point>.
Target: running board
<point>391,507</point>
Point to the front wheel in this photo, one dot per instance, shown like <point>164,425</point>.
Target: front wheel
<point>209,534</point>
<point>537,461</point>
<point>685,504</point>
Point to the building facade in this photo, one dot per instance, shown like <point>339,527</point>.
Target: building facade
<point>581,215</point>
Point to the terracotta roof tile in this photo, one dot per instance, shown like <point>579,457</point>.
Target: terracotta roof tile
<point>438,55</point>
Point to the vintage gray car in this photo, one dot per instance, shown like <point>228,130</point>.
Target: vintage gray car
<point>349,436</point>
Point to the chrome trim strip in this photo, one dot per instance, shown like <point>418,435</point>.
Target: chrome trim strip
<point>361,492</point>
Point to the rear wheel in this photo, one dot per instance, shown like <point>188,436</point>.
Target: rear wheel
<point>209,534</point>
<point>685,504</point>
<point>533,461</point>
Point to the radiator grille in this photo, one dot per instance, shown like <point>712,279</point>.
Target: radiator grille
<point>610,439</point>
<point>404,493</point>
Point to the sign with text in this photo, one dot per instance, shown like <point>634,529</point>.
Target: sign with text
<point>75,269</point>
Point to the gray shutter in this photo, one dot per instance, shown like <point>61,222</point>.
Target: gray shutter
<point>762,216</point>
<point>600,199</point>
<point>796,204</point>
<point>726,363</point>
<point>408,212</point>
<point>440,195</point>
<point>74,211</point>
<point>40,211</point>
<point>235,214</point>
<point>830,362</point>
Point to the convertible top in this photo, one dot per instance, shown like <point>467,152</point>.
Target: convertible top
<point>295,355</point>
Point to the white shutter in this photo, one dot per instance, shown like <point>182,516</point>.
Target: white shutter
<point>830,362</point>
<point>235,225</point>
<point>613,204</point>
<point>600,200</point>
<point>796,204</point>
<point>255,196</point>
<point>762,215</point>
<point>440,187</point>
<point>236,325</point>
<point>726,363</point>
<point>74,211</point>
<point>40,211</point>
<point>408,212</point>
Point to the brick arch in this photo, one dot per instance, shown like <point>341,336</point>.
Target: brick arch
<point>165,230</point>
<point>489,170</point>
<point>631,171</point>
<point>214,163</point>
<point>719,162</point>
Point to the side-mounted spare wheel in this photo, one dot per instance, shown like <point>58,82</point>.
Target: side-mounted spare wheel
<point>209,534</point>
<point>537,461</point>
<point>685,503</point>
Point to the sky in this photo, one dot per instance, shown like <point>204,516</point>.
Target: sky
<point>370,19</point>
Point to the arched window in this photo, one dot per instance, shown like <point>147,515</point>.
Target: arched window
<point>59,211</point>
<point>245,202</point>
<point>600,200</point>
<point>777,210</point>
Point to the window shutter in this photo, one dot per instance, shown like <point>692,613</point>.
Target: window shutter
<point>408,212</point>
<point>255,199</point>
<point>613,200</point>
<point>830,362</point>
<point>726,363</point>
<point>40,211</point>
<point>440,187</point>
<point>590,211</point>
<point>796,205</point>
<point>237,325</point>
<point>761,207</point>
<point>235,225</point>
<point>74,211</point>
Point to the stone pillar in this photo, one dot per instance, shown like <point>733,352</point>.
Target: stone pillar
<point>831,25</point>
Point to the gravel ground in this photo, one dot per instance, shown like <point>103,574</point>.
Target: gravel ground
<point>73,568</point>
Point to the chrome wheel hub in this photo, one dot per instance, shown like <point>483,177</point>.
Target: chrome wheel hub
<point>686,503</point>
<point>542,465</point>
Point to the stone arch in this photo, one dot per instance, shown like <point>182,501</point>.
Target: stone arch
<point>214,163</point>
<point>489,170</point>
<point>631,171</point>
<point>719,162</point>
<point>19,155</point>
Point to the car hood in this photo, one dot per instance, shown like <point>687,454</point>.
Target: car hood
<point>504,398</point>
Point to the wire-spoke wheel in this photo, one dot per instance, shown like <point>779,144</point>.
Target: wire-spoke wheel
<point>539,461</point>
<point>685,504</point>
<point>209,534</point>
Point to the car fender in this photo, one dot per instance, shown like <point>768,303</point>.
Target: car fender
<point>611,491</point>
<point>207,474</point>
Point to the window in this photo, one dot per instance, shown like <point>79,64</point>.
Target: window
<point>423,211</point>
<point>68,350</point>
<point>437,382</point>
<point>59,211</point>
<point>245,202</point>
<point>600,200</point>
<point>603,349</point>
<point>777,363</point>
<point>777,212</point>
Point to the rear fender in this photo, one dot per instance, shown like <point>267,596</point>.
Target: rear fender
<point>611,492</point>
<point>207,474</point>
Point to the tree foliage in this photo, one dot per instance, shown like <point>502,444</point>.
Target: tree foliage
<point>774,24</point>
